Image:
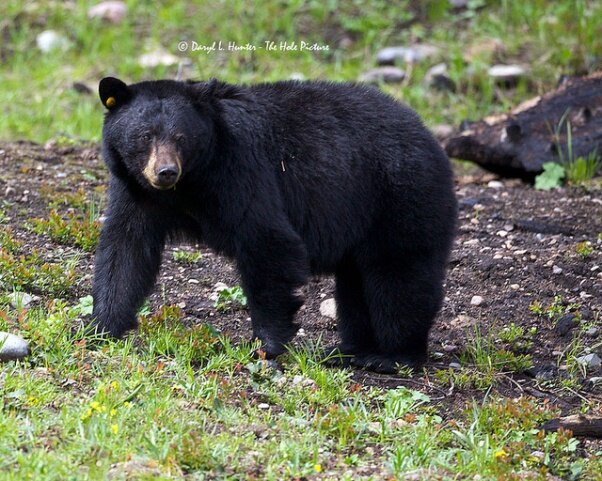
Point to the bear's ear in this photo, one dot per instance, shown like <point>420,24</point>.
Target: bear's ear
<point>113,92</point>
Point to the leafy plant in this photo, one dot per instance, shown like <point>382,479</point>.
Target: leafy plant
<point>71,230</point>
<point>230,296</point>
<point>187,257</point>
<point>551,177</point>
<point>584,249</point>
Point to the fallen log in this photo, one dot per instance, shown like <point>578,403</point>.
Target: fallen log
<point>579,425</point>
<point>557,126</point>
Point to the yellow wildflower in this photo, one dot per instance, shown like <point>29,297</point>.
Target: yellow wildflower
<point>500,454</point>
<point>114,428</point>
<point>318,468</point>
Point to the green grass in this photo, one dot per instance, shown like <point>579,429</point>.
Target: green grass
<point>39,103</point>
<point>175,401</point>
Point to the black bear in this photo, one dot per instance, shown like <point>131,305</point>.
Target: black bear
<point>288,179</point>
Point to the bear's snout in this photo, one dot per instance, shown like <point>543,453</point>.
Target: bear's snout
<point>164,168</point>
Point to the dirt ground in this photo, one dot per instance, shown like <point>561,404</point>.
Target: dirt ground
<point>515,247</point>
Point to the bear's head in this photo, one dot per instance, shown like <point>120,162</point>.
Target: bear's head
<point>155,132</point>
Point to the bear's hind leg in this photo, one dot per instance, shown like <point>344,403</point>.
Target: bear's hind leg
<point>403,296</point>
<point>353,316</point>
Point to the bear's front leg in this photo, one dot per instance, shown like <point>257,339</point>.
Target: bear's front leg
<point>273,266</point>
<point>127,261</point>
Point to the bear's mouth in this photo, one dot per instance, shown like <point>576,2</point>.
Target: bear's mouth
<point>164,167</point>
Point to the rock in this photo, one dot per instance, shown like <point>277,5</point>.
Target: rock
<point>19,300</point>
<point>138,468</point>
<point>113,12</point>
<point>159,57</point>
<point>450,348</point>
<point>544,372</point>
<point>328,308</point>
<point>495,184</point>
<point>506,74</point>
<point>383,74</point>
<point>594,381</point>
<point>442,131</point>
<point>455,365</point>
<point>476,301</point>
<point>539,455</point>
<point>556,269</point>
<point>436,77</point>
<point>590,360</point>
<point>592,332</point>
<point>412,54</point>
<point>468,202</point>
<point>303,381</point>
<point>565,324</point>
<point>462,321</point>
<point>263,406</point>
<point>12,347</point>
<point>50,40</point>
<point>82,88</point>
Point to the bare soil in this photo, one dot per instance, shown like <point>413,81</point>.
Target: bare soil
<point>516,246</point>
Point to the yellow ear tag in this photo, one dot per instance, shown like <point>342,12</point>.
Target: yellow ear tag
<point>111,102</point>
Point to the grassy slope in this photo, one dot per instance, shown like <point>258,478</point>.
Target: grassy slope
<point>38,102</point>
<point>178,402</point>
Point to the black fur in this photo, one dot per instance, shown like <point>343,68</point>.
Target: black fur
<point>289,179</point>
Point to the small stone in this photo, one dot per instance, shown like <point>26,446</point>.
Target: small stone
<point>12,347</point>
<point>594,381</point>
<point>539,455</point>
<point>442,131</point>
<point>455,365</point>
<point>545,372</point>
<point>590,360</point>
<point>476,301</point>
<point>328,308</point>
<point>82,88</point>
<point>565,324</point>
<point>437,355</point>
<point>411,54</point>
<point>263,406</point>
<point>113,12</point>
<point>502,233</point>
<point>592,332</point>
<point>514,287</point>
<point>383,74</point>
<point>495,184</point>
<point>9,191</point>
<point>450,348</point>
<point>50,40</point>
<point>508,74</point>
<point>219,286</point>
<point>556,269</point>
<point>19,300</point>
<point>436,77</point>
<point>160,57</point>
<point>193,281</point>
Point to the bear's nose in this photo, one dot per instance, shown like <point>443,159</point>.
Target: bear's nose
<point>168,176</point>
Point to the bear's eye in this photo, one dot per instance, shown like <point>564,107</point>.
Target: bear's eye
<point>146,137</point>
<point>179,138</point>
